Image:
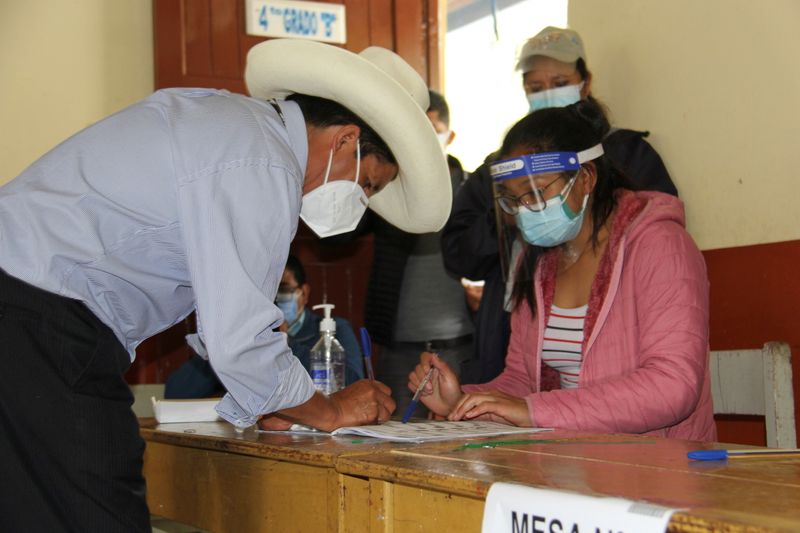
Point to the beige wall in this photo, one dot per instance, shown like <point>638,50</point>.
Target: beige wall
<point>64,66</point>
<point>717,84</point>
<point>715,81</point>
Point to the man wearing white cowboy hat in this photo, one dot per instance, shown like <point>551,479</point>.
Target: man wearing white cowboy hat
<point>189,200</point>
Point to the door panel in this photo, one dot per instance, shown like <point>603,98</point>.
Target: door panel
<point>204,42</point>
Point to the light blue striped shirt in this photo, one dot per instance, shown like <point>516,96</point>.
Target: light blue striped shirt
<point>187,199</point>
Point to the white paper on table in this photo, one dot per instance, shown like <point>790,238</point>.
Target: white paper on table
<point>168,411</point>
<point>426,431</point>
<point>511,507</point>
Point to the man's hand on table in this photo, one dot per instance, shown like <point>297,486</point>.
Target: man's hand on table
<point>363,402</point>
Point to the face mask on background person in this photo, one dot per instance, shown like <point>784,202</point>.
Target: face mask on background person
<point>553,225</point>
<point>444,140</point>
<point>335,206</point>
<point>558,97</point>
<point>287,303</point>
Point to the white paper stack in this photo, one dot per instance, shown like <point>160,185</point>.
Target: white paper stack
<point>167,411</point>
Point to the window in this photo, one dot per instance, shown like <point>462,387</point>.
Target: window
<point>481,86</point>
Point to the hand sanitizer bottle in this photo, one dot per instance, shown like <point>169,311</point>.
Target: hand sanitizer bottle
<point>327,356</point>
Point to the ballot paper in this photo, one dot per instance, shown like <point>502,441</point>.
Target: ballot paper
<point>425,431</point>
<point>167,411</point>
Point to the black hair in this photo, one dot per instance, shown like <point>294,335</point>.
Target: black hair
<point>439,104</point>
<point>294,266</point>
<point>321,112</point>
<point>583,70</point>
<point>572,128</point>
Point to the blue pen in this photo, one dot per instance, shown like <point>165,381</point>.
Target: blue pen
<point>413,405</point>
<point>721,455</point>
<point>366,347</point>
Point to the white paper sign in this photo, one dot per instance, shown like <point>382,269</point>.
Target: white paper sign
<point>317,21</point>
<point>514,508</point>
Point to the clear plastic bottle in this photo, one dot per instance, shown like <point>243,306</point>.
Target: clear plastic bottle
<point>327,356</point>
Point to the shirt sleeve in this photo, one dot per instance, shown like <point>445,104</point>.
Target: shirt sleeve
<point>238,223</point>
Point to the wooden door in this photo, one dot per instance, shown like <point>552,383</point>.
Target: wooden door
<point>202,43</point>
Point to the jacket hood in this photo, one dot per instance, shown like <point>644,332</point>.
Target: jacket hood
<point>638,210</point>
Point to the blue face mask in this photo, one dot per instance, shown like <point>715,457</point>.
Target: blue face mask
<point>555,224</point>
<point>558,97</point>
<point>287,303</point>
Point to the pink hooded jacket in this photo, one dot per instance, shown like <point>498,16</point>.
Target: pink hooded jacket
<point>645,362</point>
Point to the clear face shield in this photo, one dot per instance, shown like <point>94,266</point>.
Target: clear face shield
<point>530,195</point>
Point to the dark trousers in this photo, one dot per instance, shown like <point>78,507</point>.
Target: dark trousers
<point>70,450</point>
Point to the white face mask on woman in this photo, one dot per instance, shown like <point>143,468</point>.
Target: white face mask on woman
<point>337,206</point>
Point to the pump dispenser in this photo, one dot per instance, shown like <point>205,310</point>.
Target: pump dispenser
<point>327,356</point>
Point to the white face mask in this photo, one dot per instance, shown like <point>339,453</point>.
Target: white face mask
<point>335,207</point>
<point>444,140</point>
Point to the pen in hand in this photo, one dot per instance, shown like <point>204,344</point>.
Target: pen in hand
<point>413,405</point>
<point>366,347</point>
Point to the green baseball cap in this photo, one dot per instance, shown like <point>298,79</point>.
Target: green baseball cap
<point>559,43</point>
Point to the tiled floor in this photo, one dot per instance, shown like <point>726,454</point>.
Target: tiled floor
<point>162,525</point>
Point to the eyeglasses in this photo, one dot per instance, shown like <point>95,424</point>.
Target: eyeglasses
<point>532,200</point>
<point>286,293</point>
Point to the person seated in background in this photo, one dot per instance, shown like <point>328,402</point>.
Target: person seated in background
<point>196,378</point>
<point>554,74</point>
<point>611,294</point>
<point>412,302</point>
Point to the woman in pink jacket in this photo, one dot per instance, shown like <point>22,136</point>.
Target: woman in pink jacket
<point>609,330</point>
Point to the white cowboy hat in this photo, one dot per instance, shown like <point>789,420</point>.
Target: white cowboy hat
<point>386,93</point>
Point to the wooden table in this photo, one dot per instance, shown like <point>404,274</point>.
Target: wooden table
<point>213,477</point>
<point>209,476</point>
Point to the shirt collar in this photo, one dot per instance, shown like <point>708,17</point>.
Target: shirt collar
<point>296,127</point>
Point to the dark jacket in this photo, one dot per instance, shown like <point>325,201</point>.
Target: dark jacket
<point>392,247</point>
<point>470,247</point>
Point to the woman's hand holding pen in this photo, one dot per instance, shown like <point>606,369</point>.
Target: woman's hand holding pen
<point>492,405</point>
<point>443,391</point>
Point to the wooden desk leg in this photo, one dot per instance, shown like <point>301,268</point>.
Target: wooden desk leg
<point>381,504</point>
<point>365,505</point>
<point>394,508</point>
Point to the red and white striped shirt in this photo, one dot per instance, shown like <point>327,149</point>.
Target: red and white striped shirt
<point>563,341</point>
